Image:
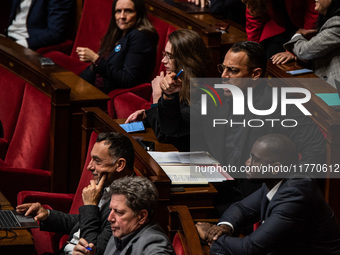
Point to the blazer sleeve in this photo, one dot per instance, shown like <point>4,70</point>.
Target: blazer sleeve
<point>318,46</point>
<point>288,211</point>
<point>171,122</point>
<point>174,118</point>
<point>59,222</point>
<point>130,66</point>
<point>94,226</point>
<point>58,18</point>
<point>245,212</point>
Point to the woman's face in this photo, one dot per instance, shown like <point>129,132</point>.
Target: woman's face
<point>321,6</point>
<point>125,14</point>
<point>168,59</point>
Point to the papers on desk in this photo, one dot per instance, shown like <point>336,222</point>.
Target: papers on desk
<point>175,157</point>
<point>190,167</point>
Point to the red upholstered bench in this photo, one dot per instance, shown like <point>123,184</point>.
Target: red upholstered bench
<point>68,203</point>
<point>11,94</point>
<point>25,113</point>
<point>93,25</point>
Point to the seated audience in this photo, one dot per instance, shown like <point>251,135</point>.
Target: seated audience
<point>272,22</point>
<point>295,218</point>
<point>184,50</point>
<point>323,49</point>
<point>127,53</point>
<point>231,144</point>
<point>133,205</point>
<point>112,157</point>
<point>36,24</point>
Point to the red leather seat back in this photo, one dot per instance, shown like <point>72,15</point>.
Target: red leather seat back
<point>29,147</point>
<point>85,178</point>
<point>93,24</point>
<point>11,93</point>
<point>128,103</point>
<point>178,245</point>
<point>163,29</point>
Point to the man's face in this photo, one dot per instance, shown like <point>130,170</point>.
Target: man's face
<point>123,220</point>
<point>236,67</point>
<point>101,163</point>
<point>259,155</point>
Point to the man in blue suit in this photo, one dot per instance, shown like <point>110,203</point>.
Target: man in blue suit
<point>35,24</point>
<point>295,219</point>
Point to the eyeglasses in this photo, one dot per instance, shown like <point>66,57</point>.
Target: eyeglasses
<point>231,70</point>
<point>167,55</point>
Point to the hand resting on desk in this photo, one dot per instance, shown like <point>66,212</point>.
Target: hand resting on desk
<point>34,209</point>
<point>209,232</point>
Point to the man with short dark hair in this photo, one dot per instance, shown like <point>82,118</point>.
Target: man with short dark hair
<point>294,215</point>
<point>244,67</point>
<point>112,157</point>
<point>133,205</point>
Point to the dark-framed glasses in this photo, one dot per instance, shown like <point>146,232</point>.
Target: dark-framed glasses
<point>167,55</point>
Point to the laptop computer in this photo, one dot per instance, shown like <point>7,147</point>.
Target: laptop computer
<point>337,84</point>
<point>11,219</point>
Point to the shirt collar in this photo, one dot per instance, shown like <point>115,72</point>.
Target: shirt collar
<point>121,243</point>
<point>273,191</point>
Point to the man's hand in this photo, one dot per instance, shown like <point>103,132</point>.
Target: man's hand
<point>92,193</point>
<point>34,209</point>
<point>139,115</point>
<point>86,55</point>
<point>283,58</point>
<point>210,232</point>
<point>81,248</point>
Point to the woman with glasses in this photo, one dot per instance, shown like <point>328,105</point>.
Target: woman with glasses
<point>170,118</point>
<point>127,54</point>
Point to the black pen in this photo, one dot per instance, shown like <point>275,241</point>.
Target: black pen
<point>87,248</point>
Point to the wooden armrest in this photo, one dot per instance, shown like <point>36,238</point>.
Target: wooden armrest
<point>180,221</point>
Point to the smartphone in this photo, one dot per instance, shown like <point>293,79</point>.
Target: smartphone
<point>133,126</point>
<point>299,71</point>
<point>46,61</point>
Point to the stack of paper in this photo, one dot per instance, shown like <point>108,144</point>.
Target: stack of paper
<point>190,167</point>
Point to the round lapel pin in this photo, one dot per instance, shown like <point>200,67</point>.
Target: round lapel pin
<point>118,47</point>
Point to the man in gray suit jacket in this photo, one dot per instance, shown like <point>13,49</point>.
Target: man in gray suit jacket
<point>295,219</point>
<point>133,204</point>
<point>112,157</point>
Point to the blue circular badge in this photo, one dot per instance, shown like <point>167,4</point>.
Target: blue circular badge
<point>118,47</point>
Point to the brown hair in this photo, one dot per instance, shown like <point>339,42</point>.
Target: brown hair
<point>113,33</point>
<point>191,54</point>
